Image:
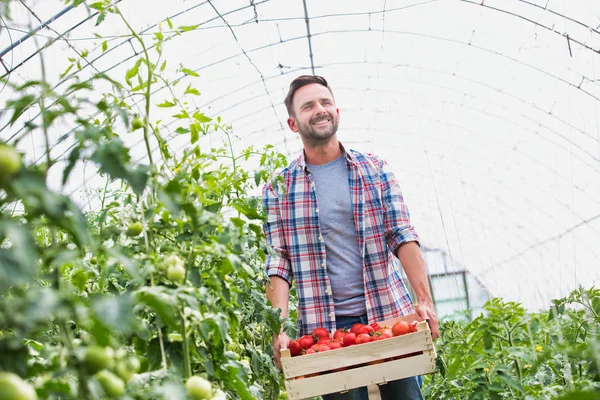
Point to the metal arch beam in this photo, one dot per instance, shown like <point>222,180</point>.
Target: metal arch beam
<point>308,36</point>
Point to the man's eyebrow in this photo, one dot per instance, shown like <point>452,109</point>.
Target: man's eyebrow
<point>311,101</point>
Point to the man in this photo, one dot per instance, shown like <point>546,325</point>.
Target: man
<point>337,225</point>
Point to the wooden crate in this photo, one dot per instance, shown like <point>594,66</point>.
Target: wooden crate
<point>365,364</point>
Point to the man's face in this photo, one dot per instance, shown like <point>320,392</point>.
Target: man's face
<point>315,117</point>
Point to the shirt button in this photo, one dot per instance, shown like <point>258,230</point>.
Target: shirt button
<point>323,264</point>
<point>317,210</point>
<point>320,238</point>
<point>327,291</point>
<point>331,315</point>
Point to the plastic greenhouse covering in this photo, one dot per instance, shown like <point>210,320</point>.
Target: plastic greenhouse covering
<point>488,111</point>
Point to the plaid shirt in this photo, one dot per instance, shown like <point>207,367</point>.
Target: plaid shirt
<point>382,224</point>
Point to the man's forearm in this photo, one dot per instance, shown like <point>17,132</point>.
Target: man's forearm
<point>278,293</point>
<point>412,260</point>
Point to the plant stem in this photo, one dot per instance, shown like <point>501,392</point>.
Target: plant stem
<point>148,86</point>
<point>187,371</point>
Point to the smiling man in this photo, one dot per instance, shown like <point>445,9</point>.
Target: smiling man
<point>338,226</point>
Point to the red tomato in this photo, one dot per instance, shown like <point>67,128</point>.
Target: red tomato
<point>320,333</point>
<point>349,339</point>
<point>368,329</point>
<point>375,326</point>
<point>413,326</point>
<point>356,327</point>
<point>339,334</point>
<point>305,342</point>
<point>363,338</point>
<point>326,340</point>
<point>295,349</point>
<point>323,347</point>
<point>310,351</point>
<point>386,333</point>
<point>400,328</point>
<point>335,345</point>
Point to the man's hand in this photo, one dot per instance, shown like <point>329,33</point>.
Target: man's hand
<point>427,312</point>
<point>281,341</point>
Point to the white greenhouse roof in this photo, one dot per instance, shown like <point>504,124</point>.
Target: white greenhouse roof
<point>488,111</point>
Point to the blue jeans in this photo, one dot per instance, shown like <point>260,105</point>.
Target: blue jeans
<point>402,389</point>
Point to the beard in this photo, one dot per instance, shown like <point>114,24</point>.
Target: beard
<point>319,134</point>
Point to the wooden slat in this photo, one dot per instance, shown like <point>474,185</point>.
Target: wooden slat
<point>358,354</point>
<point>358,377</point>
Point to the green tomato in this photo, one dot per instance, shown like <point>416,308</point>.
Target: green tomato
<point>173,260</point>
<point>219,395</point>
<point>134,229</point>
<point>97,358</point>
<point>176,273</point>
<point>93,261</point>
<point>112,385</point>
<point>198,388</point>
<point>136,124</point>
<point>12,387</point>
<point>10,161</point>
<point>127,367</point>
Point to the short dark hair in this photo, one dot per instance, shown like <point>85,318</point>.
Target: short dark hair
<point>297,83</point>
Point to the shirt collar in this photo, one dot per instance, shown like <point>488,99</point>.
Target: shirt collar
<point>302,159</point>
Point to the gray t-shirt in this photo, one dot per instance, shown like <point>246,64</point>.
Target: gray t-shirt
<point>336,220</point>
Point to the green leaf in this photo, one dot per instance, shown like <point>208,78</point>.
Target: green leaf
<point>191,90</point>
<point>66,71</point>
<point>133,71</point>
<point>18,263</point>
<point>198,116</point>
<point>187,28</point>
<point>71,162</point>
<point>580,395</point>
<point>20,106</point>
<point>166,104</point>
<point>189,72</point>
<point>169,23</point>
<point>104,46</point>
<point>114,312</point>
<point>113,159</point>
<point>161,302</point>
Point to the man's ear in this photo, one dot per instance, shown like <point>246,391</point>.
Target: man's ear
<point>293,124</point>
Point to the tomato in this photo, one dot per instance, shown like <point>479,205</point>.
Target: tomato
<point>134,229</point>
<point>400,328</point>
<point>320,333</point>
<point>356,328</point>
<point>10,162</point>
<point>368,329</point>
<point>322,347</point>
<point>176,273</point>
<point>363,338</point>
<point>198,388</point>
<point>413,326</point>
<point>12,387</point>
<point>386,333</point>
<point>326,340</point>
<point>305,342</point>
<point>339,334</point>
<point>375,326</point>
<point>219,395</point>
<point>295,349</point>
<point>136,124</point>
<point>310,351</point>
<point>97,358</point>
<point>127,367</point>
<point>112,385</point>
<point>335,345</point>
<point>349,339</point>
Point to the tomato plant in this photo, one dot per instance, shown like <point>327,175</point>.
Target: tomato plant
<point>151,286</point>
